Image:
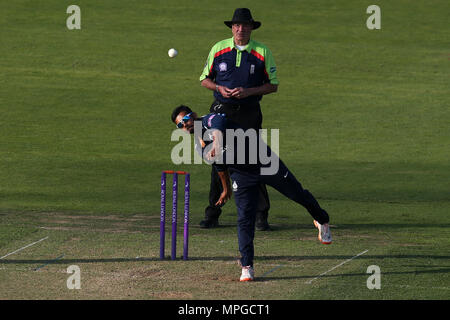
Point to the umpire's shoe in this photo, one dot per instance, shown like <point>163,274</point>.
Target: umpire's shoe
<point>209,223</point>
<point>263,226</point>
<point>261,222</point>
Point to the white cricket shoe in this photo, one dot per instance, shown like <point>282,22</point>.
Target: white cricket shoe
<point>248,274</point>
<point>324,232</point>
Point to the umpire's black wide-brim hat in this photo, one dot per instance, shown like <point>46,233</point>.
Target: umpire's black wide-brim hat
<point>243,15</point>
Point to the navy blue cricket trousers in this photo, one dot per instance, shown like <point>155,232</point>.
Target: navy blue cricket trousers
<point>245,185</point>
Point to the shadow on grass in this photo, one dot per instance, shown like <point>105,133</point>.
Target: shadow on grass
<point>415,272</point>
<point>359,227</point>
<point>381,226</point>
<point>218,258</point>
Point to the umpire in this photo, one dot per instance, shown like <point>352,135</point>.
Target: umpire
<point>240,71</point>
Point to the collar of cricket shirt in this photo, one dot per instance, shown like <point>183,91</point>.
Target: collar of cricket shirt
<point>248,47</point>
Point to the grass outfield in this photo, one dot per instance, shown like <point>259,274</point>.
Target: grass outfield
<point>85,132</point>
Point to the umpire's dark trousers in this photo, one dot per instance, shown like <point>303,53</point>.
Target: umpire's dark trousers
<point>247,116</point>
<point>246,194</point>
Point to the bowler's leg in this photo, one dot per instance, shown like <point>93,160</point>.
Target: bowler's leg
<point>246,199</point>
<point>286,183</point>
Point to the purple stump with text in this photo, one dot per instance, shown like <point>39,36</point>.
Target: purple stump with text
<point>174,213</point>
